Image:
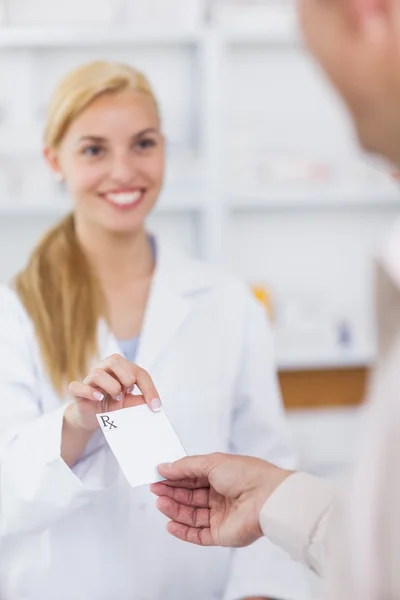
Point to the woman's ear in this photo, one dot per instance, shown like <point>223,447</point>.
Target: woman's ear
<point>51,158</point>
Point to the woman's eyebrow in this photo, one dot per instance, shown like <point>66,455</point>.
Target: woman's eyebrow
<point>99,139</point>
<point>92,138</point>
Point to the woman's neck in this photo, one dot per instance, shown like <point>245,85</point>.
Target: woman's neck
<point>116,257</point>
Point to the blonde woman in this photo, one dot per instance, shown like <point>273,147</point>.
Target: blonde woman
<point>97,286</point>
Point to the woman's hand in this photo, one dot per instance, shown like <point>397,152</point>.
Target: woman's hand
<point>109,387</point>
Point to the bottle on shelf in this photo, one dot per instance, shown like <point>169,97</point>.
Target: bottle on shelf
<point>263,295</point>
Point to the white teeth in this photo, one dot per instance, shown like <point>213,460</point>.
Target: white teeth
<point>124,198</point>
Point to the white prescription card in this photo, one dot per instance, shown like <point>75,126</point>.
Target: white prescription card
<point>141,440</point>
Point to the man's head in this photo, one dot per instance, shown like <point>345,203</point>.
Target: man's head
<point>357,43</point>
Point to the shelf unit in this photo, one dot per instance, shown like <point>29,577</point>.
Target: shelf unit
<point>275,32</point>
<point>318,198</point>
<point>216,202</point>
<point>351,358</point>
<point>64,37</point>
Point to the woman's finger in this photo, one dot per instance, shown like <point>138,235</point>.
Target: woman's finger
<point>129,375</point>
<point>100,378</point>
<point>120,368</point>
<point>87,392</point>
<point>133,400</point>
<point>145,384</point>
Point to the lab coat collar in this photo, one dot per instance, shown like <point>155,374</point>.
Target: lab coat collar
<point>177,283</point>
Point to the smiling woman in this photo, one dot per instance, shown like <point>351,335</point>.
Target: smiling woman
<point>99,286</point>
<point>103,138</point>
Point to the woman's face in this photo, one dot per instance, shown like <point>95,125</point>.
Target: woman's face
<point>112,161</point>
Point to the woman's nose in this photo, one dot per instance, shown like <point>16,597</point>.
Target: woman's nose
<point>123,170</point>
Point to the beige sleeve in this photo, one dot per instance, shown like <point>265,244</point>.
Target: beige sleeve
<point>297,517</point>
<point>362,533</point>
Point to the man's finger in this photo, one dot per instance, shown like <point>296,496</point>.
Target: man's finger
<point>200,537</point>
<point>190,484</point>
<point>198,498</point>
<point>186,515</point>
<point>191,467</point>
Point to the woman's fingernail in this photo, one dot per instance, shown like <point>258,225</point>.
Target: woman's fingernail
<point>130,390</point>
<point>156,405</point>
<point>165,466</point>
<point>120,396</point>
<point>98,396</point>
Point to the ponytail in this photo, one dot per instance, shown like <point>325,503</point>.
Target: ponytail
<point>63,298</point>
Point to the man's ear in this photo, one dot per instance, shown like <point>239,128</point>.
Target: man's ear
<point>365,10</point>
<point>373,18</point>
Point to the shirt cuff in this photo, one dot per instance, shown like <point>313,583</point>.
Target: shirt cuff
<point>76,481</point>
<point>293,512</point>
<point>35,455</point>
<point>38,487</point>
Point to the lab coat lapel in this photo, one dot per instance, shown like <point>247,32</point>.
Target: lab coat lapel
<point>167,310</point>
<point>173,295</point>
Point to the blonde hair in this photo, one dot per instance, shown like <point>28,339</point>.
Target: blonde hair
<point>58,287</point>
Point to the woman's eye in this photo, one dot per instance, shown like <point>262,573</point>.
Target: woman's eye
<point>145,144</point>
<point>92,151</point>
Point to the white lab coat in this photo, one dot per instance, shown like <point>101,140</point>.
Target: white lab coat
<point>84,534</point>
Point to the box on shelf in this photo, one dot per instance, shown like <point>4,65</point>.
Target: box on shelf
<point>262,169</point>
<point>263,295</point>
<point>310,330</point>
<point>184,166</point>
<point>279,168</point>
<point>53,12</point>
<point>246,14</point>
<point>188,13</point>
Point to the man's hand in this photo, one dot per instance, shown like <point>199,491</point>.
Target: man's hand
<point>216,500</point>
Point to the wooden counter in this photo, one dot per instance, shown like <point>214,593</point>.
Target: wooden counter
<point>323,388</point>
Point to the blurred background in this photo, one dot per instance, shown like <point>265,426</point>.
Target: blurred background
<point>264,176</point>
